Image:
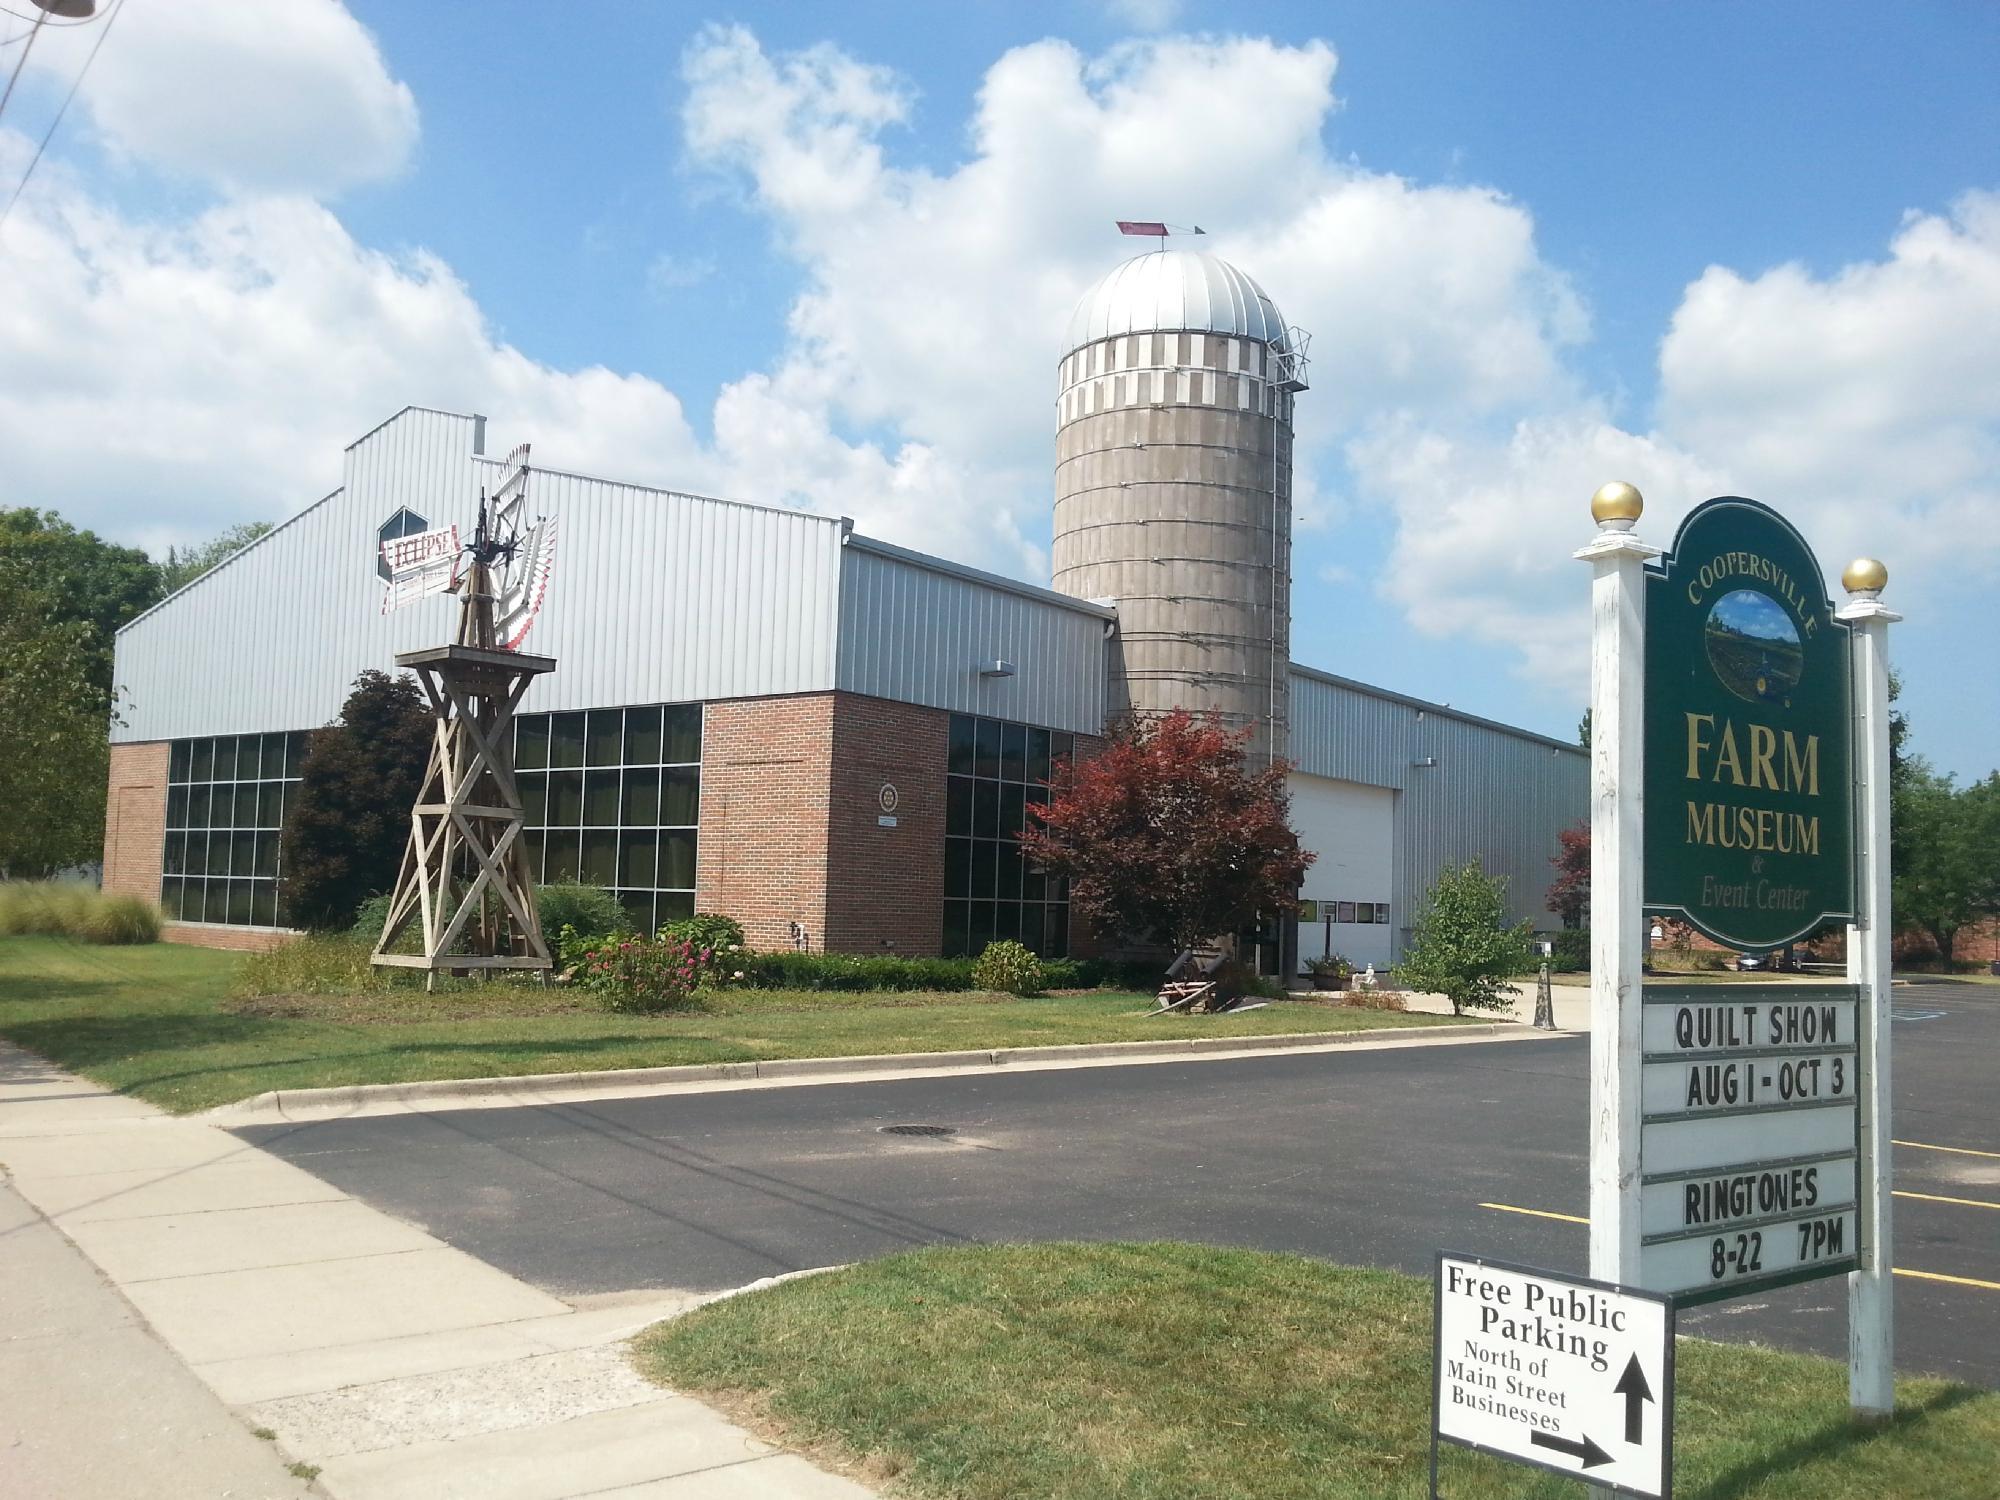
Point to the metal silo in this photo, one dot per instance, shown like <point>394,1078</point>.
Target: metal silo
<point>1174,485</point>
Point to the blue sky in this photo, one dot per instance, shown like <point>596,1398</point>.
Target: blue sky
<point>821,256</point>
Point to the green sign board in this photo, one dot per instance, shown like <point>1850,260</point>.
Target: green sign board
<point>1749,793</point>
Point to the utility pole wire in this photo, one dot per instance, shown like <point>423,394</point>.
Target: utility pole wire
<point>76,83</point>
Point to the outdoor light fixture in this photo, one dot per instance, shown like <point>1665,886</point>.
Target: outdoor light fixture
<point>997,669</point>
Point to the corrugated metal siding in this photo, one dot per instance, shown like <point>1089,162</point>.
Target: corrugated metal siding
<point>920,634</point>
<point>656,597</point>
<point>1497,794</point>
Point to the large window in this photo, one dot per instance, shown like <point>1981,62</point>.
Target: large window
<point>225,805</point>
<point>613,797</point>
<point>996,770</point>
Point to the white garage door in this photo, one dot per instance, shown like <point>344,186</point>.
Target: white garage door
<point>1352,828</point>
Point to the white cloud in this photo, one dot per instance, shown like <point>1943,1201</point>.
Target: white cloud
<point>280,95</point>
<point>167,381</point>
<point>935,301</point>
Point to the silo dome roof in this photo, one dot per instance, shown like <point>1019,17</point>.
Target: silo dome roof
<point>1173,290</point>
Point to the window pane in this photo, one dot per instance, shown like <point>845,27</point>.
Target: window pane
<point>985,858</point>
<point>957,867</point>
<point>531,742</point>
<point>215,905</point>
<point>1364,911</point>
<point>642,736</point>
<point>1006,921</point>
<point>964,729</point>
<point>243,854</point>
<point>604,740</point>
<point>680,796</point>
<point>534,798</point>
<point>954,929</point>
<point>600,857</point>
<point>565,799</point>
<point>1381,913</point>
<point>264,905</point>
<point>1061,745</point>
<point>266,863</point>
<point>561,858</point>
<point>271,804</point>
<point>196,861</point>
<point>249,757</point>
<point>600,799</point>
<point>986,750</point>
<point>683,733</point>
<point>979,929</point>
<point>170,898</point>
<point>639,907</point>
<point>177,760</point>
<point>1011,802</point>
<point>1007,872</point>
<point>1034,885</point>
<point>1058,932</point>
<point>173,857</point>
<point>1031,926</point>
<point>1038,755</point>
<point>566,740</point>
<point>298,744</point>
<point>273,759</point>
<point>225,758</point>
<point>1343,911</point>
<point>958,804</point>
<point>1013,752</point>
<point>532,843</point>
<point>638,856</point>
<point>673,906</point>
<point>239,902</point>
<point>986,809</point>
<point>284,907</point>
<point>677,861</point>
<point>203,766</point>
<point>639,805</point>
<point>177,807</point>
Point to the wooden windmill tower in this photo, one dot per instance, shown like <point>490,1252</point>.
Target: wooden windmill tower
<point>464,877</point>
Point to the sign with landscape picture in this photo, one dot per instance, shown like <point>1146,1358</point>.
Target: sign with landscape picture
<point>1749,796</point>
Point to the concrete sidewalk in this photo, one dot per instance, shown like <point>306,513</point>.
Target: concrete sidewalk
<point>392,1364</point>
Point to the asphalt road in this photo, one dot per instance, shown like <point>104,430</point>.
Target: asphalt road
<point>1378,1158</point>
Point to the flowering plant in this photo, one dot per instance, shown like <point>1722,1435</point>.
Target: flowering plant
<point>642,975</point>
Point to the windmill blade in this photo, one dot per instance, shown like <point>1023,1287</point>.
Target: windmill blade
<point>526,585</point>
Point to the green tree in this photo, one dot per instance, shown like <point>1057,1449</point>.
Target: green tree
<point>347,824</point>
<point>82,579</point>
<point>1461,946</point>
<point>1944,852</point>
<point>1583,729</point>
<point>183,567</point>
<point>53,755</point>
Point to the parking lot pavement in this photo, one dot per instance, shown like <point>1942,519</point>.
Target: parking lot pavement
<point>1378,1158</point>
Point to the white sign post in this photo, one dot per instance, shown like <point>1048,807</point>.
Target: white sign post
<point>1871,1374</point>
<point>1569,1375</point>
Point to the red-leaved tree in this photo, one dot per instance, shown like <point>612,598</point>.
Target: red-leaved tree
<point>1569,897</point>
<point>1165,834</point>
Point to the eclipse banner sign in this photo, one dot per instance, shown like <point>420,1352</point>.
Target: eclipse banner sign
<point>1748,792</point>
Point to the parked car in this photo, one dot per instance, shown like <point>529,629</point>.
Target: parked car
<point>1752,962</point>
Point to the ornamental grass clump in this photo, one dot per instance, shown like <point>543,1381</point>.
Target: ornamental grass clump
<point>642,976</point>
<point>71,909</point>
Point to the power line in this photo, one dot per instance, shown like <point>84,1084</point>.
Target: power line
<point>76,83</point>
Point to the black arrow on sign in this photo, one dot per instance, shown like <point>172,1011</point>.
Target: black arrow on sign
<point>1632,1386</point>
<point>1587,1451</point>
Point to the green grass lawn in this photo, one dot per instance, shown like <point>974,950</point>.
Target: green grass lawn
<point>1170,1371</point>
<point>158,1021</point>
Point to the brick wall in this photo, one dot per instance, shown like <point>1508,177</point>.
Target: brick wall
<point>765,776</point>
<point>231,939</point>
<point>887,891</point>
<point>135,819</point>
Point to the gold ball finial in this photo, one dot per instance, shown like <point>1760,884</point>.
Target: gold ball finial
<point>1617,505</point>
<point>1865,576</point>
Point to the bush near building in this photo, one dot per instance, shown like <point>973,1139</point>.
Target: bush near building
<point>70,909</point>
<point>347,824</point>
<point>1462,947</point>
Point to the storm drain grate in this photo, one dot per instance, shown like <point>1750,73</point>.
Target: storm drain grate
<point>923,1130</point>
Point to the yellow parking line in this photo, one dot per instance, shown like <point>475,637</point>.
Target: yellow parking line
<point>1984,1286</point>
<point>1954,1150</point>
<point>1936,1198</point>
<point>1535,1213</point>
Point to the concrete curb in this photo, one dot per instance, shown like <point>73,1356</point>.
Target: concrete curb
<point>292,1106</point>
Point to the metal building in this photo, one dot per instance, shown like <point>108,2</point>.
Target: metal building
<point>761,711</point>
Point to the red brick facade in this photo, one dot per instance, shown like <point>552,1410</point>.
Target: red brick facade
<point>135,819</point>
<point>886,847</point>
<point>762,851</point>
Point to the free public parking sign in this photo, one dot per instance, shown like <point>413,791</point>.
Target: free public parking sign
<point>1569,1375</point>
